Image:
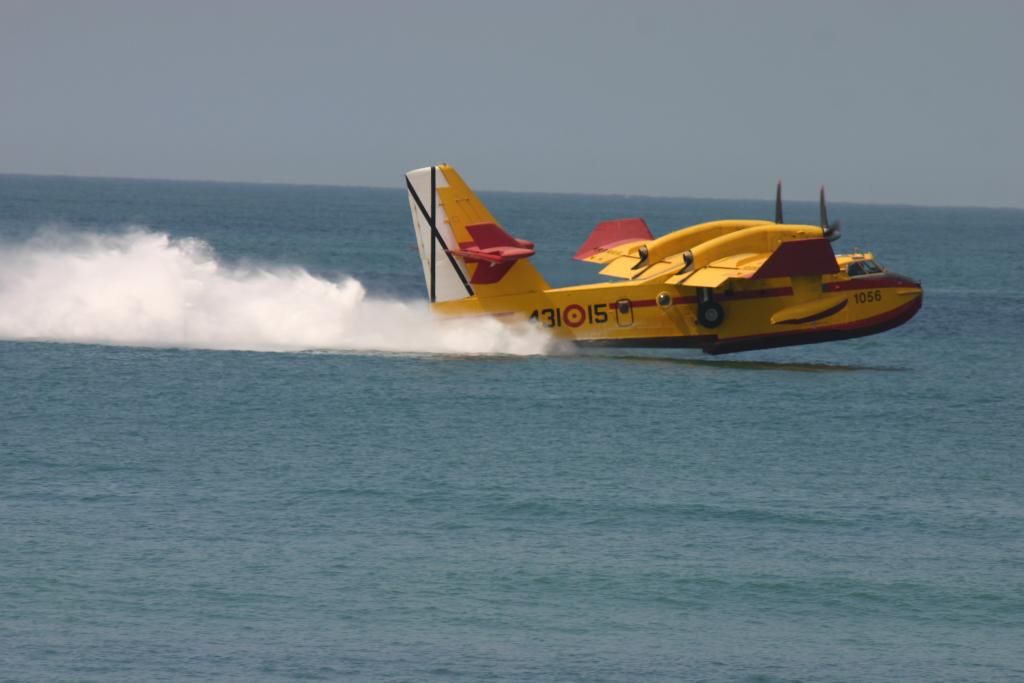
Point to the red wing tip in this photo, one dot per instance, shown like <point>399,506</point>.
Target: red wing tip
<point>608,234</point>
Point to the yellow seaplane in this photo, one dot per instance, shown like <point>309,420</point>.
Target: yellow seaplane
<point>722,286</point>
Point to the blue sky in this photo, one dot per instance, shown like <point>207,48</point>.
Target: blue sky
<point>907,102</point>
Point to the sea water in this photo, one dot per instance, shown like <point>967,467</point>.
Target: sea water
<point>234,446</point>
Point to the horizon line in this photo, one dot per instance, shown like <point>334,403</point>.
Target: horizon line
<point>399,187</point>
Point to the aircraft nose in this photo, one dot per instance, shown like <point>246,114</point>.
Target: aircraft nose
<point>904,281</point>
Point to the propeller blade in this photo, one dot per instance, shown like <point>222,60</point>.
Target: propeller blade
<point>831,231</point>
<point>824,211</point>
<point>778,202</point>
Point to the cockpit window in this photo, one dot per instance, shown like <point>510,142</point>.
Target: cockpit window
<point>856,268</point>
<point>871,267</point>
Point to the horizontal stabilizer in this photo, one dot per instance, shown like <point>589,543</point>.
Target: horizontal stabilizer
<point>612,234</point>
<point>487,235</point>
<point>461,244</point>
<point>494,250</point>
<point>797,258</point>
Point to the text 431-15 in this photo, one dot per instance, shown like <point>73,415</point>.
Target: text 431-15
<point>572,315</point>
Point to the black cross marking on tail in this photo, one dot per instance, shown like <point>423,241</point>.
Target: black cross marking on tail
<point>435,236</point>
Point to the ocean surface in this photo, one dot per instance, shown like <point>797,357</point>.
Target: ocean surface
<point>235,447</point>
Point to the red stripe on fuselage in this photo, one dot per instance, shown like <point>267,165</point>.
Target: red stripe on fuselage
<point>755,294</point>
<point>727,296</point>
<point>880,281</point>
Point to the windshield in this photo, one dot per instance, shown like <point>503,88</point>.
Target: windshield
<point>857,268</point>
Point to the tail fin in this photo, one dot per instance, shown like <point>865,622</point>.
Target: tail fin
<point>444,209</point>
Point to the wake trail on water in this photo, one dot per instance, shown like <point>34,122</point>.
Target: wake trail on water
<point>144,288</point>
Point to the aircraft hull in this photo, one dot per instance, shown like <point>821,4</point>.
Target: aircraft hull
<point>660,316</point>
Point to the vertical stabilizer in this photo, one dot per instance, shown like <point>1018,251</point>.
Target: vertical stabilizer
<point>444,209</point>
<point>445,273</point>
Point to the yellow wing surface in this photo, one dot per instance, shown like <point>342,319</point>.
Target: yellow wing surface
<point>708,254</point>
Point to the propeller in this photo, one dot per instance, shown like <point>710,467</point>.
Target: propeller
<point>778,202</point>
<point>831,231</point>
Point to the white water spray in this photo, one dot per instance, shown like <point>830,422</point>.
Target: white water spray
<point>142,288</point>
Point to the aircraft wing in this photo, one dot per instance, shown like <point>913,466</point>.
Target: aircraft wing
<point>627,250</point>
<point>612,240</point>
<point>795,258</point>
<point>621,266</point>
<point>739,267</point>
<point>709,277</point>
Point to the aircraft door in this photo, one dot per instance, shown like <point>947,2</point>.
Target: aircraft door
<point>624,312</point>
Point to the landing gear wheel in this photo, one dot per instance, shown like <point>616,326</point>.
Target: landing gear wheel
<point>710,314</point>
